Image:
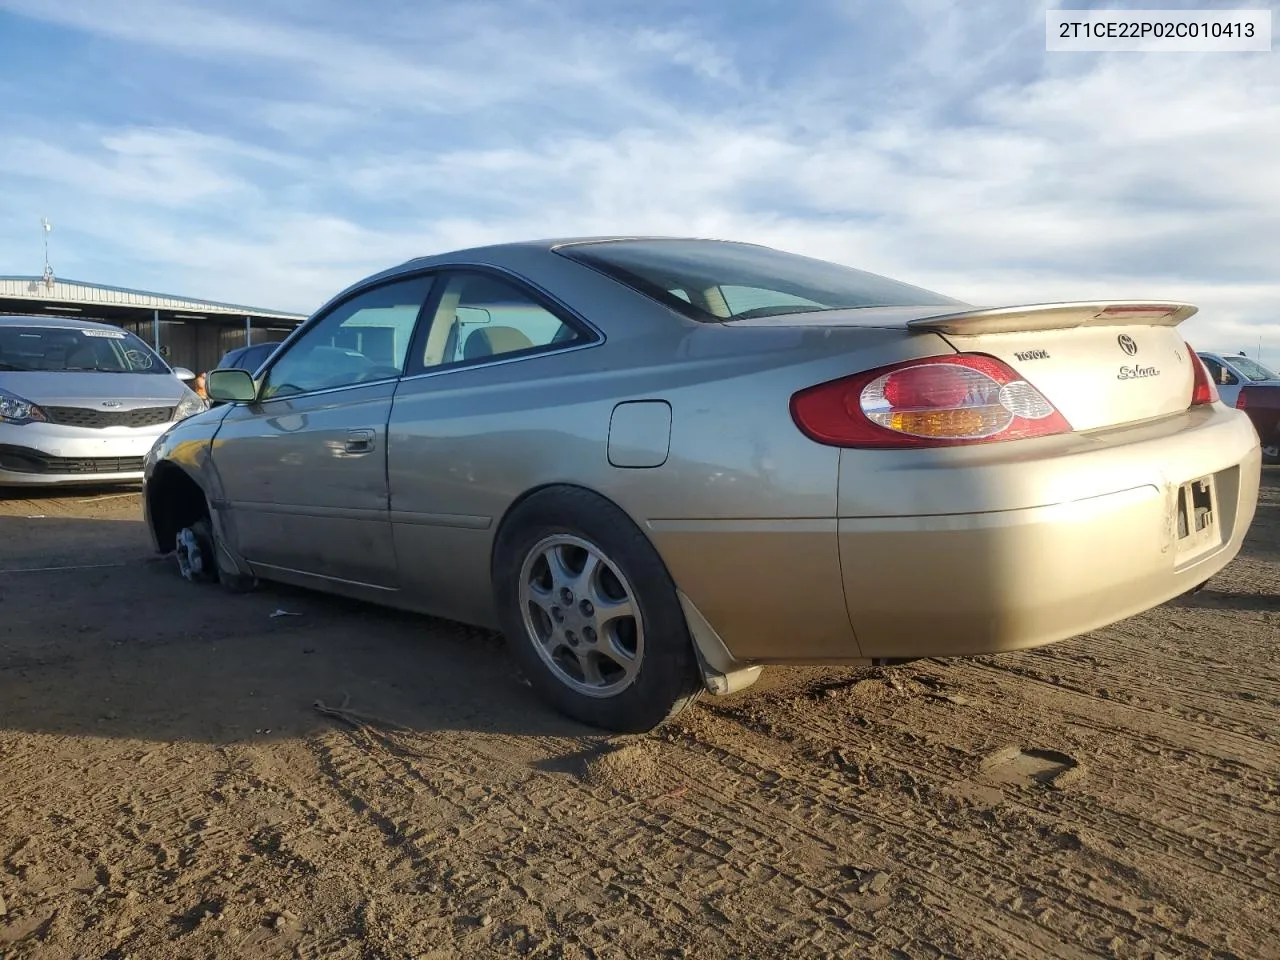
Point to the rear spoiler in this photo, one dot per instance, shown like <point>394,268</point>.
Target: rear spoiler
<point>1056,316</point>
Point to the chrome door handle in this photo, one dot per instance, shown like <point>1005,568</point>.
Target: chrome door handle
<point>359,441</point>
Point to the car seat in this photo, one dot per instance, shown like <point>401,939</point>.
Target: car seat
<point>82,357</point>
<point>489,341</point>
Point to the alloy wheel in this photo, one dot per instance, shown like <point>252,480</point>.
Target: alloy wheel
<point>581,615</point>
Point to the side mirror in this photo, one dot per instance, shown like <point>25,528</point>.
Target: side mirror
<point>230,386</point>
<point>183,374</point>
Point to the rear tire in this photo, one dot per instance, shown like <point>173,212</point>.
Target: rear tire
<point>591,614</point>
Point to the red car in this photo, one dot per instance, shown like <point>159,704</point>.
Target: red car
<point>1249,386</point>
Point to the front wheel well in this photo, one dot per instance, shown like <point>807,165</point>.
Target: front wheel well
<point>174,501</point>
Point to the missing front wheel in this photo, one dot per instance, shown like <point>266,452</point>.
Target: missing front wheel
<point>193,550</point>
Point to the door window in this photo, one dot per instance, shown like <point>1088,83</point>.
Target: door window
<point>479,317</point>
<point>1220,374</point>
<point>361,340</point>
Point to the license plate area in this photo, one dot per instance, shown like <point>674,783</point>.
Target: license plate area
<point>1197,530</point>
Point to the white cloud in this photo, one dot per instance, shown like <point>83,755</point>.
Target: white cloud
<point>688,51</point>
<point>441,59</point>
<point>171,168</point>
<point>989,170</point>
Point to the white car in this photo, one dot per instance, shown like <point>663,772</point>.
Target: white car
<point>82,402</point>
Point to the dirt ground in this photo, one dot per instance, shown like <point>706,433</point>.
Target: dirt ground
<point>170,785</point>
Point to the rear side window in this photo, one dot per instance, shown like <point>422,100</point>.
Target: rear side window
<point>480,317</point>
<point>713,281</point>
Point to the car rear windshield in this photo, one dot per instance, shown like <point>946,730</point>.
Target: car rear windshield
<point>1253,369</point>
<point>67,350</point>
<point>713,281</point>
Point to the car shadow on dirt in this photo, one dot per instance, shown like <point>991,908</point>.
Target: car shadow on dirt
<point>40,496</point>
<point>1210,599</point>
<point>102,638</point>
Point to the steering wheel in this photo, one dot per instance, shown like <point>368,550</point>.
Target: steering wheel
<point>139,359</point>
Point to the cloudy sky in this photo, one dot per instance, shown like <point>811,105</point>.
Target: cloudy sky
<point>270,152</point>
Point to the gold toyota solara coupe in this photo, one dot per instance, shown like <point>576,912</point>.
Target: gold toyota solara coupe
<point>659,464</point>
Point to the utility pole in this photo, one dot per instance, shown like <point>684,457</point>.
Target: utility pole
<point>45,228</point>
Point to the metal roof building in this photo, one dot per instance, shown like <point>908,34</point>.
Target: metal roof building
<point>186,332</point>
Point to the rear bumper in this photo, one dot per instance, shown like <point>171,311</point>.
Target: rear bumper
<point>971,551</point>
<point>996,580</point>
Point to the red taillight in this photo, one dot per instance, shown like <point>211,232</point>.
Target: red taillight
<point>1241,402</point>
<point>935,402</point>
<point>1204,390</point>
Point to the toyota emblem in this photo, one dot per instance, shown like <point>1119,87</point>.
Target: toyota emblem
<point>1127,344</point>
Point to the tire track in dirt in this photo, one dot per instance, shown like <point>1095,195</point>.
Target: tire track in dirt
<point>687,845</point>
<point>921,840</point>
<point>1084,708</point>
<point>1144,827</point>
<point>350,766</point>
<point>703,810</point>
<point>1201,660</point>
<point>1082,910</point>
<point>425,784</point>
<point>939,756</point>
<point>1252,720</point>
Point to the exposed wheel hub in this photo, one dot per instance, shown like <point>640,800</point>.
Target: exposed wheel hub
<point>191,556</point>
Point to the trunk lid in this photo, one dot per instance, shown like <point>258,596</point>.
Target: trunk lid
<point>1101,363</point>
